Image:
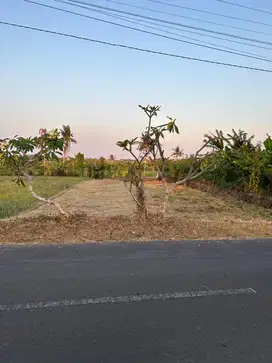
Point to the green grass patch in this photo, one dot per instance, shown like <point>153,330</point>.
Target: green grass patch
<point>15,199</point>
<point>150,173</point>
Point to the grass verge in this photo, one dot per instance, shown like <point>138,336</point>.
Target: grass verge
<point>15,199</point>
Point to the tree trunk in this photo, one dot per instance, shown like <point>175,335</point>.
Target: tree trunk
<point>141,200</point>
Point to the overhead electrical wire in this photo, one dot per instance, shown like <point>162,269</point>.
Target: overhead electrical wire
<point>178,29</point>
<point>148,32</point>
<point>211,45</point>
<point>182,30</point>
<point>142,23</point>
<point>209,12</point>
<point>187,17</point>
<point>245,7</point>
<point>91,5</point>
<point>16,25</point>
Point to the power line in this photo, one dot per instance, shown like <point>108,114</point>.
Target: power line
<point>186,31</point>
<point>210,13</point>
<point>187,17</point>
<point>169,22</point>
<point>135,48</point>
<point>233,51</point>
<point>146,31</point>
<point>142,23</point>
<point>245,7</point>
<point>182,30</point>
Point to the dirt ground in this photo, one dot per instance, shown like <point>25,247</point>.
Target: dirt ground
<point>92,197</point>
<point>104,212</point>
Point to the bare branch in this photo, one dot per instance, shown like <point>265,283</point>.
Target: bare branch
<point>195,158</point>
<point>42,199</point>
<point>135,157</point>
<point>131,193</point>
<point>144,156</point>
<point>192,176</point>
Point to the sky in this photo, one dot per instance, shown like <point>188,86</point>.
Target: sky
<point>49,80</point>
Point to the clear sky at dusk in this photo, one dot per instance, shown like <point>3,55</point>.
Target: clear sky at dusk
<point>48,80</point>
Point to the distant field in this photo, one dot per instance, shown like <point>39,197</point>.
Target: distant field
<point>15,199</point>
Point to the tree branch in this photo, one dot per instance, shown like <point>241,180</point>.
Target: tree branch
<point>42,199</point>
<point>133,196</point>
<point>191,176</point>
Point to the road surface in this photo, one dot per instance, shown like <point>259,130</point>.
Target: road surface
<point>163,302</point>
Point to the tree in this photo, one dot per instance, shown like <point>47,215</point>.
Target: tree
<point>69,139</point>
<point>135,176</point>
<point>20,154</point>
<point>139,148</point>
<point>149,146</point>
<point>111,157</point>
<point>239,161</point>
<point>177,152</point>
<point>151,141</point>
<point>42,133</point>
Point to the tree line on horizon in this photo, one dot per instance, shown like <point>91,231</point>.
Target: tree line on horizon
<point>230,160</point>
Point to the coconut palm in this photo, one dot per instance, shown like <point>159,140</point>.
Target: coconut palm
<point>177,152</point>
<point>69,139</point>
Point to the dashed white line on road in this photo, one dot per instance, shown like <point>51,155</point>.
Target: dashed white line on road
<point>126,299</point>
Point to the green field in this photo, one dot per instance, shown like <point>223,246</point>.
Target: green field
<point>15,199</point>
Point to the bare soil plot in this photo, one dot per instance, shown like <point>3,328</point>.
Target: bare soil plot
<point>105,212</point>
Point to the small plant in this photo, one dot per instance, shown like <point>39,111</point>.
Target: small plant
<point>20,154</point>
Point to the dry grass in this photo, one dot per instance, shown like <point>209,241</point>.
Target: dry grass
<point>105,213</point>
<point>123,228</point>
<point>191,203</point>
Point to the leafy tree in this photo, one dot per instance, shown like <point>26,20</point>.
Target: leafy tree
<point>111,157</point>
<point>79,159</point>
<point>20,154</point>
<point>69,139</point>
<point>241,164</point>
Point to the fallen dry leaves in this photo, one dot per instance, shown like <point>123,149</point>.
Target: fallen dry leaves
<point>83,228</point>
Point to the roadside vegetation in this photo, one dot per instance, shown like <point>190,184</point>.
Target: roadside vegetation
<point>14,200</point>
<point>224,189</point>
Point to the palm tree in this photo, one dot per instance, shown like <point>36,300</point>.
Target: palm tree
<point>69,139</point>
<point>177,152</point>
<point>42,133</point>
<point>111,157</point>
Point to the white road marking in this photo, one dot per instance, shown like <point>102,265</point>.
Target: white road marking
<point>126,299</point>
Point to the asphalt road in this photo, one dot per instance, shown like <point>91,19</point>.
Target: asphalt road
<point>178,302</point>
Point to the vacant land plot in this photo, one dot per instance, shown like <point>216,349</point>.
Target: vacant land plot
<point>15,199</point>
<point>104,211</point>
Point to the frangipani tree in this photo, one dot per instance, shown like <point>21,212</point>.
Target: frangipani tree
<point>150,146</point>
<point>20,154</point>
<point>147,146</point>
